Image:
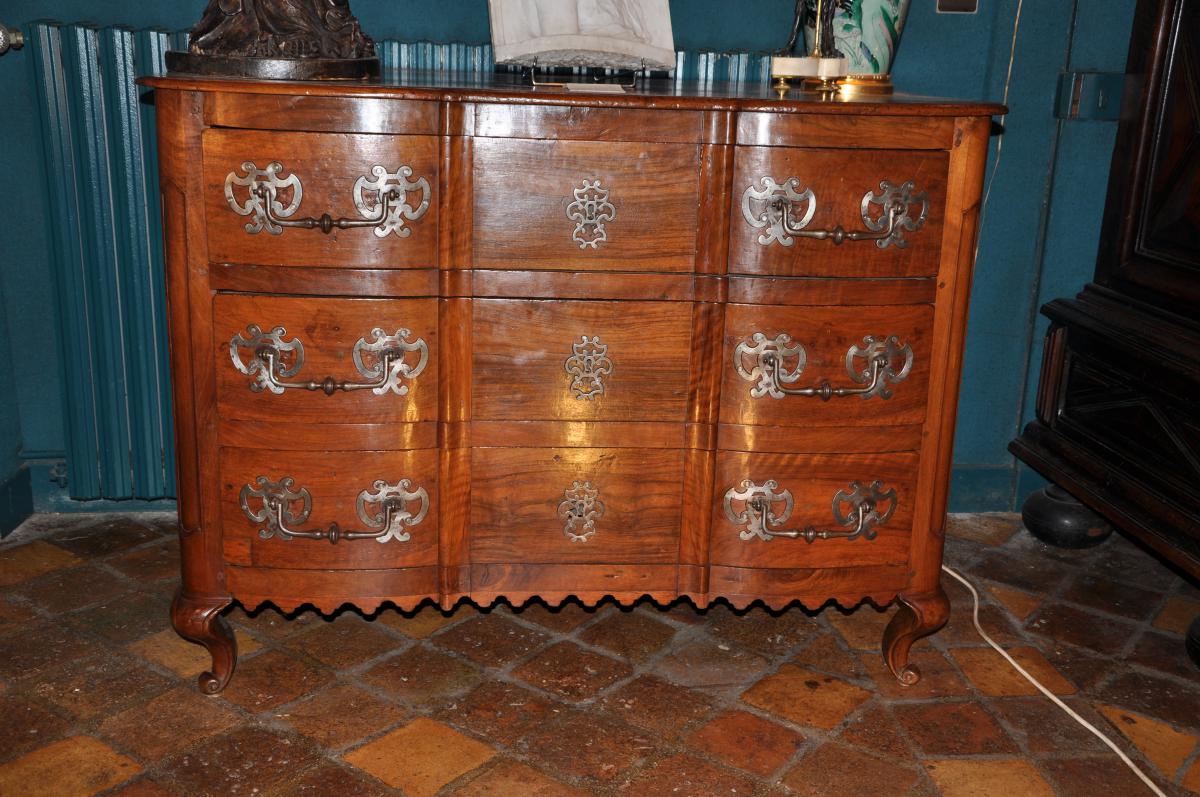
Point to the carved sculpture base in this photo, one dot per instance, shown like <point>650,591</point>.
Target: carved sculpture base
<point>919,615</point>
<point>199,620</point>
<point>274,68</point>
<point>1056,518</point>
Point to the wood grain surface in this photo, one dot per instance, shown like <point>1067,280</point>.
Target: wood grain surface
<point>334,480</point>
<point>839,179</point>
<point>328,329</point>
<point>515,495</point>
<point>521,348</point>
<point>523,188</point>
<point>328,165</point>
<point>827,334</point>
<point>813,481</point>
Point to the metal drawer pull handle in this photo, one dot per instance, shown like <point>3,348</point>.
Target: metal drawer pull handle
<point>763,508</point>
<point>386,212</point>
<point>383,360</point>
<point>775,363</point>
<point>580,509</point>
<point>773,207</point>
<point>384,509</point>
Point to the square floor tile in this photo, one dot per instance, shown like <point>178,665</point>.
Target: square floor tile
<point>180,717</point>
<point>22,562</point>
<point>806,697</point>
<point>952,729</point>
<point>76,767</point>
<point>629,634</point>
<point>186,659</point>
<point>588,745</point>
<point>491,640</point>
<point>271,679</point>
<point>513,779</point>
<point>681,775</point>
<point>423,676</point>
<point>655,705</point>
<point>247,761</point>
<point>747,741</point>
<point>571,672</point>
<point>991,674</point>
<point>706,662</point>
<point>341,715</point>
<point>988,778</point>
<point>344,642</point>
<point>834,770</point>
<point>500,711</point>
<point>421,757</point>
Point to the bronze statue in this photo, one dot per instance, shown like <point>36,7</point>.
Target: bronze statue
<point>285,39</point>
<point>280,29</point>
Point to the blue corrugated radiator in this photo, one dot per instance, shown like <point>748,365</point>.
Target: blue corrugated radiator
<point>103,203</point>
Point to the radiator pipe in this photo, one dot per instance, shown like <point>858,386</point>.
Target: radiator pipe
<point>10,39</point>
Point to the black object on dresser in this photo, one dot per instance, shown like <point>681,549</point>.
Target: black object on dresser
<point>1118,408</point>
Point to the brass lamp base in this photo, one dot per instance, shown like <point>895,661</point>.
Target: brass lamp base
<point>867,84</point>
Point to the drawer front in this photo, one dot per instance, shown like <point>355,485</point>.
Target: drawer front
<point>580,361</point>
<point>853,366</point>
<point>758,495</point>
<point>389,494</point>
<point>783,197</point>
<point>366,360</point>
<point>575,505</point>
<point>585,205</point>
<point>385,185</point>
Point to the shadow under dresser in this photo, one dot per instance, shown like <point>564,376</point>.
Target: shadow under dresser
<point>482,342</point>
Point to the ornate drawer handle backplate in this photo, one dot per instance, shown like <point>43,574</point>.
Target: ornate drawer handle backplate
<point>763,508</point>
<point>774,208</point>
<point>775,363</point>
<point>382,201</point>
<point>384,361</point>
<point>587,366</point>
<point>579,510</point>
<point>384,509</point>
<point>590,209</point>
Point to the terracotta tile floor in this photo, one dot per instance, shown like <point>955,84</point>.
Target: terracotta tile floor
<point>97,694</point>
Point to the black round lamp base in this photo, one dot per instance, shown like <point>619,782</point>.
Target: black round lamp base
<point>273,68</point>
<point>1057,519</point>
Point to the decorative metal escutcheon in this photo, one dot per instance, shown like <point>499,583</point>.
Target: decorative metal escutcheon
<point>590,209</point>
<point>382,199</point>
<point>385,360</point>
<point>775,363</point>
<point>587,366</point>
<point>386,509</point>
<point>762,509</point>
<point>783,210</point>
<point>579,510</point>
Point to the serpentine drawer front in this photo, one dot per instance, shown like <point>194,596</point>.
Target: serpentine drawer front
<point>851,213</point>
<point>304,199</point>
<point>484,343</point>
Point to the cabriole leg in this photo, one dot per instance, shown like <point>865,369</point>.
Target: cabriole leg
<point>199,620</point>
<point>919,615</point>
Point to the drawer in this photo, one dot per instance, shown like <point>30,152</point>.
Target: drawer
<point>386,185</point>
<point>876,356</point>
<point>389,494</point>
<point>575,505</point>
<point>585,205</point>
<point>757,494</point>
<point>580,361</point>
<point>783,196</point>
<point>269,350</point>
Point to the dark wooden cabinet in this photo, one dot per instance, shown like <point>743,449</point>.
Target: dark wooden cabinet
<point>481,342</point>
<point>1118,418</point>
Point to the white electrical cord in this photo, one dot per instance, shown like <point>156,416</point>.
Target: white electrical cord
<point>1012,57</point>
<point>1053,697</point>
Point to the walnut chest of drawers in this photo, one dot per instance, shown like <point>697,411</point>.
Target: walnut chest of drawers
<point>490,343</point>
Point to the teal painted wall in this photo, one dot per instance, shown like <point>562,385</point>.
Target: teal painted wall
<point>10,419</point>
<point>1038,239</point>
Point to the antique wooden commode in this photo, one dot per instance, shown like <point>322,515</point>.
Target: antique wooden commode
<point>480,341</point>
